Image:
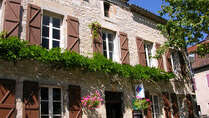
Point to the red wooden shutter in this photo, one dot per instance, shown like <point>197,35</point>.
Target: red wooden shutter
<point>73,34</point>
<point>74,101</point>
<point>33,28</point>
<point>175,105</point>
<point>7,98</point>
<point>148,112</point>
<point>208,79</point>
<point>166,104</point>
<point>12,17</point>
<point>98,44</point>
<point>190,106</point>
<point>31,99</point>
<point>160,60</point>
<point>168,62</point>
<point>124,48</point>
<point>141,52</point>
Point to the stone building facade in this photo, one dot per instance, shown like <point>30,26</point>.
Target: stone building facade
<point>35,90</point>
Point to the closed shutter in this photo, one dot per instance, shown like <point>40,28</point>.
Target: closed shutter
<point>190,106</point>
<point>33,28</point>
<point>168,62</point>
<point>148,112</point>
<point>141,52</point>
<point>98,44</point>
<point>7,98</point>
<point>160,60</point>
<point>166,104</point>
<point>124,48</point>
<point>12,17</point>
<point>73,34</point>
<point>31,99</point>
<point>175,105</point>
<point>74,102</point>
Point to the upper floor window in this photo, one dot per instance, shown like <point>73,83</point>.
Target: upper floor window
<point>155,106</point>
<point>108,44</point>
<point>51,32</point>
<point>106,9</point>
<point>51,102</point>
<point>148,51</point>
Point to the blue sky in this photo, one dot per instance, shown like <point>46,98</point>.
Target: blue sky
<point>151,5</point>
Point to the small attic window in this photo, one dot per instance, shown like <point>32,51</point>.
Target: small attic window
<point>106,9</point>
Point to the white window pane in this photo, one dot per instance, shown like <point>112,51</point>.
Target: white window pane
<point>56,22</point>
<point>56,107</point>
<point>45,43</point>
<point>111,46</point>
<point>44,107</point>
<point>44,116</point>
<point>110,54</point>
<point>44,93</point>
<point>105,53</point>
<point>104,45</point>
<point>55,44</point>
<point>110,37</point>
<point>46,20</point>
<point>45,31</point>
<point>56,34</point>
<point>56,94</point>
<point>155,100</point>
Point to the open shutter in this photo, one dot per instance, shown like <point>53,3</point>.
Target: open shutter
<point>33,28</point>
<point>175,105</point>
<point>31,99</point>
<point>98,44</point>
<point>7,98</point>
<point>12,17</point>
<point>168,62</point>
<point>73,34</point>
<point>148,112</point>
<point>141,52</point>
<point>166,104</point>
<point>74,102</point>
<point>190,106</point>
<point>160,60</point>
<point>124,48</point>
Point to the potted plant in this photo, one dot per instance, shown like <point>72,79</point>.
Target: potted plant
<point>92,101</point>
<point>140,103</point>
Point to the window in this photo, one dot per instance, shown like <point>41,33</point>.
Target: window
<point>51,32</point>
<point>192,57</point>
<point>148,52</point>
<point>155,106</point>
<point>110,45</point>
<point>106,9</point>
<point>51,102</point>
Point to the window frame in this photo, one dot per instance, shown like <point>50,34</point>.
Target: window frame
<point>50,26</point>
<point>147,56</point>
<point>153,106</point>
<point>50,101</point>
<point>114,43</point>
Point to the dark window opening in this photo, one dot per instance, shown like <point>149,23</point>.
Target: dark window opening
<point>113,104</point>
<point>106,9</point>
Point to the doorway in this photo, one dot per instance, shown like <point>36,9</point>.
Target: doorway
<point>113,103</point>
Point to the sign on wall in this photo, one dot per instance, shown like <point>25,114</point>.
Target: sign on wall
<point>140,91</point>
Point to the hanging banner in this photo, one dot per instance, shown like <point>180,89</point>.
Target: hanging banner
<point>140,91</point>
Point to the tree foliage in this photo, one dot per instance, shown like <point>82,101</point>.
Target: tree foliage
<point>187,24</point>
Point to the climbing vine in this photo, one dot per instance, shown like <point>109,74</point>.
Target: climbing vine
<point>95,29</point>
<point>14,49</point>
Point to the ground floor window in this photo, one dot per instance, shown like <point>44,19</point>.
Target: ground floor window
<point>137,114</point>
<point>113,104</point>
<point>51,102</point>
<point>155,106</point>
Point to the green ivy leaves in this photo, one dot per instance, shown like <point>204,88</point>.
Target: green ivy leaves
<point>14,49</point>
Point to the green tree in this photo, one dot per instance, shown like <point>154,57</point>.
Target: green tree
<point>188,21</point>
